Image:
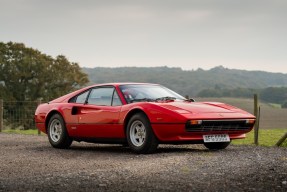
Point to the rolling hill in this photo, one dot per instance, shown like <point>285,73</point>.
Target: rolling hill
<point>189,82</point>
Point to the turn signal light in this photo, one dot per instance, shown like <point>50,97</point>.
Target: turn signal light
<point>195,122</point>
<point>250,121</point>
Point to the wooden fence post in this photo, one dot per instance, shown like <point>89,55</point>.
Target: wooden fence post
<point>1,115</point>
<point>281,140</point>
<point>256,128</point>
<point>255,105</point>
<point>39,102</point>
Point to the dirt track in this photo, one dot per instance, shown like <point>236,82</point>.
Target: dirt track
<point>29,163</point>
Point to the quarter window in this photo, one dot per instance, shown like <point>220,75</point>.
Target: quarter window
<point>80,98</point>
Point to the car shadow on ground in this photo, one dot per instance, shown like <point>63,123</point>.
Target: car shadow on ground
<point>103,148</point>
<point>162,149</point>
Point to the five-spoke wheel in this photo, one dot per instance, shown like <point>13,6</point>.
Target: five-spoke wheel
<point>137,133</point>
<point>55,130</point>
<point>140,136</point>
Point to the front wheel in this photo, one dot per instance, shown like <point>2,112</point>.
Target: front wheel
<point>216,146</point>
<point>57,133</point>
<point>140,136</point>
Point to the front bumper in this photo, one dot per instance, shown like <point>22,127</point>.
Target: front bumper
<point>177,133</point>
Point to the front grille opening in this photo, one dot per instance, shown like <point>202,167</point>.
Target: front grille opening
<point>220,125</point>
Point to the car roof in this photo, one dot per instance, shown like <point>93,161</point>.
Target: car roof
<point>122,83</point>
<point>69,95</point>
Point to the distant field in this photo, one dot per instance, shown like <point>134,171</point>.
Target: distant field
<point>272,117</point>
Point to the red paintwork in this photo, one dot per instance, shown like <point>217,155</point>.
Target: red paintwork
<point>167,118</point>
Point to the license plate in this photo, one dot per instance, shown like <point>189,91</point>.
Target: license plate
<point>216,138</point>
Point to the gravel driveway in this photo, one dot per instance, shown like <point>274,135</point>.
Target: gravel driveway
<point>29,163</point>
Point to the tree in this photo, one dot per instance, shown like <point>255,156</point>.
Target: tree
<point>27,74</point>
<point>284,105</point>
<point>274,94</point>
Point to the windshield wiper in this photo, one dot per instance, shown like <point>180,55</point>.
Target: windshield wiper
<point>167,98</point>
<point>143,99</point>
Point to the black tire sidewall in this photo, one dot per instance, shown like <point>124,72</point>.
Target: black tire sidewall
<point>64,139</point>
<point>150,141</point>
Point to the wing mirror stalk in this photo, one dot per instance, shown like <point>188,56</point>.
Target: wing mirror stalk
<point>189,99</point>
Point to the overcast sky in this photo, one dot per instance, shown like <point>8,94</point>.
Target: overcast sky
<point>240,34</point>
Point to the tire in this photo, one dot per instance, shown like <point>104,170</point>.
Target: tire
<point>140,136</point>
<point>57,133</point>
<point>216,146</point>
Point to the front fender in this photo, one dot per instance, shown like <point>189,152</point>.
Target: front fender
<point>155,113</point>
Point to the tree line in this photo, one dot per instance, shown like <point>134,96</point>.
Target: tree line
<point>189,82</point>
<point>26,74</point>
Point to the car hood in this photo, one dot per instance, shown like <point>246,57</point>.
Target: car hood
<point>200,107</point>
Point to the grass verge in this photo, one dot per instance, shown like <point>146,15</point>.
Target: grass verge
<point>25,132</point>
<point>267,137</point>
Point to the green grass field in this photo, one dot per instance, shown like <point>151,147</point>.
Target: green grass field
<point>267,137</point>
<point>25,132</point>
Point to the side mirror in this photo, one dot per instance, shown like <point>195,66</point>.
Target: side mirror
<point>189,99</point>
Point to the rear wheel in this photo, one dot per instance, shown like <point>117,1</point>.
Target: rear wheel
<point>57,133</point>
<point>216,146</point>
<point>140,136</point>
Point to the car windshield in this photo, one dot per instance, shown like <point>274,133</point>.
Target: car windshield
<point>138,93</point>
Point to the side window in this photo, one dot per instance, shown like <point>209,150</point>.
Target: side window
<point>116,99</point>
<point>101,96</point>
<point>80,98</point>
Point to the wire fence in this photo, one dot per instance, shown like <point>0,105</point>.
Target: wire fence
<point>273,121</point>
<point>18,114</point>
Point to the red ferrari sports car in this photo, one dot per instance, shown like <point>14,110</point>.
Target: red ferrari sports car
<point>141,115</point>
